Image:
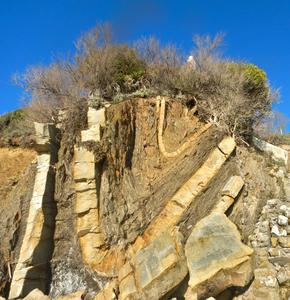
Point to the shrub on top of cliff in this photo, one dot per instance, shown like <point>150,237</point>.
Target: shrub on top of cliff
<point>255,82</point>
<point>235,96</point>
<point>56,96</point>
<point>162,65</point>
<point>110,68</point>
<point>64,85</point>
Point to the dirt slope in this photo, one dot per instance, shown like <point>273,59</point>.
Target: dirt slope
<point>12,163</point>
<point>16,183</point>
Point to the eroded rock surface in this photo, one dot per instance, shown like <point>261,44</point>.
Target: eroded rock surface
<point>32,268</point>
<point>216,257</point>
<point>148,201</point>
<point>156,269</point>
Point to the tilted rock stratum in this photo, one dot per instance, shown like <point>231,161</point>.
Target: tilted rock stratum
<point>148,202</point>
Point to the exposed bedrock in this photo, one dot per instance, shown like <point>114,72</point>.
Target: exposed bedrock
<point>153,203</point>
<point>216,257</point>
<point>33,266</point>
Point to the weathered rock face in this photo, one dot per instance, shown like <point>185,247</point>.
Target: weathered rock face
<point>14,205</point>
<point>147,201</point>
<point>229,192</point>
<point>184,197</point>
<point>277,153</point>
<point>216,257</point>
<point>135,174</point>
<point>91,238</point>
<point>154,270</point>
<point>32,268</point>
<point>262,182</point>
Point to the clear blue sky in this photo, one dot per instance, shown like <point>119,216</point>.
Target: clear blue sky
<point>34,31</point>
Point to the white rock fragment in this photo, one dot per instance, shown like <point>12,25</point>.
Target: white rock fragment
<point>285,210</point>
<point>270,281</point>
<point>282,220</point>
<point>275,230</point>
<point>272,202</point>
<point>277,153</point>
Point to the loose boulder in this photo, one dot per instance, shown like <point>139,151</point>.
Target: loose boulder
<point>216,257</point>
<point>155,270</point>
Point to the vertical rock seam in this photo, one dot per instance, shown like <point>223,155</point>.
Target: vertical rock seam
<point>32,268</point>
<point>96,255</point>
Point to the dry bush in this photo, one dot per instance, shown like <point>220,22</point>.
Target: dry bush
<point>51,89</point>
<point>56,97</point>
<point>110,68</point>
<point>162,64</point>
<point>233,95</point>
<point>98,66</point>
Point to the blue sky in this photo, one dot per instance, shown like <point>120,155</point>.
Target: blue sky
<point>35,32</point>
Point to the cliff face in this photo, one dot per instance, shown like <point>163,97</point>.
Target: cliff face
<point>17,180</point>
<point>151,203</point>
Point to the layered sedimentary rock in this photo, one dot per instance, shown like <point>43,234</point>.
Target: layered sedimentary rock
<point>154,257</point>
<point>216,257</point>
<point>32,268</point>
<point>148,194</point>
<point>229,192</point>
<point>186,144</point>
<point>95,253</point>
<point>155,263</point>
<point>155,269</point>
<point>186,194</point>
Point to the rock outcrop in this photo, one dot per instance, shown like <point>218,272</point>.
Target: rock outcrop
<point>153,203</point>
<point>270,241</point>
<point>32,268</point>
<point>216,257</point>
<point>95,252</point>
<point>277,153</point>
<point>155,269</point>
